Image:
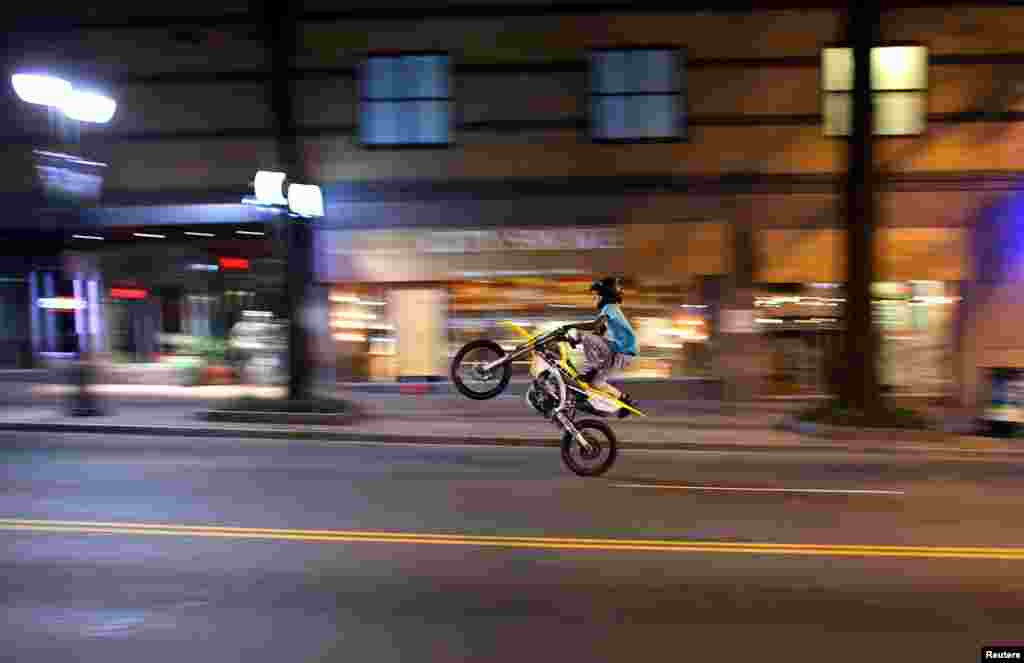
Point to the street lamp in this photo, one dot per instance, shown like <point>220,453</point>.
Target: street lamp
<point>78,105</point>
<point>302,200</point>
<point>81,105</point>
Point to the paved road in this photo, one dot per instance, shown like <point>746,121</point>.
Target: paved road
<point>341,558</point>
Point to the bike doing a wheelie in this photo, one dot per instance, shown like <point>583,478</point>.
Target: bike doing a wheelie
<point>482,369</point>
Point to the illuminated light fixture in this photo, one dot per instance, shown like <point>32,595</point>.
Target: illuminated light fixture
<point>343,324</point>
<point>234,263</point>
<point>150,235</point>
<point>269,187</point>
<point>350,337</point>
<point>368,302</point>
<point>128,293</point>
<point>306,200</point>
<point>770,321</point>
<point>355,315</point>
<point>257,314</point>
<point>934,300</point>
<point>192,233</point>
<point>61,303</point>
<point>899,84</point>
<point>87,106</point>
<point>41,89</point>
<point>250,232</point>
<point>698,306</point>
<point>202,267</point>
<point>94,237</point>
<point>345,299</point>
<point>81,105</point>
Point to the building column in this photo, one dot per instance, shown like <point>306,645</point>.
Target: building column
<point>35,319</point>
<point>50,339</point>
<point>421,326</point>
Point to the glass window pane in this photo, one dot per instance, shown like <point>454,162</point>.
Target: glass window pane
<point>900,113</point>
<point>836,69</point>
<point>655,116</point>
<point>427,76</point>
<point>609,70</point>
<point>431,122</point>
<point>899,68</point>
<point>609,117</point>
<point>379,78</point>
<point>657,72</point>
<point>837,115</point>
<point>380,123</point>
<point>440,85</point>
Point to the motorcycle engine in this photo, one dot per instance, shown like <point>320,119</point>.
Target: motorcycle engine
<point>540,396</point>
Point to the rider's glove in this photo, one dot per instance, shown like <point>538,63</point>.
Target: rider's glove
<point>572,335</point>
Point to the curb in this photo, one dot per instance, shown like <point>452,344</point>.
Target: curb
<point>553,441</point>
<point>306,418</point>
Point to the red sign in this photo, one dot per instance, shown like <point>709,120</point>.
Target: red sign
<point>128,293</point>
<point>234,263</point>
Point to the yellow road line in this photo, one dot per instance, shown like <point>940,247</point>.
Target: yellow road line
<point>537,543</point>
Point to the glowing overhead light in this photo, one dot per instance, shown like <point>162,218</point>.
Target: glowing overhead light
<point>192,233</point>
<point>150,235</point>
<point>41,89</point>
<point>89,107</point>
<point>96,237</point>
<point>249,232</point>
<point>306,200</point>
<point>61,303</point>
<point>269,187</point>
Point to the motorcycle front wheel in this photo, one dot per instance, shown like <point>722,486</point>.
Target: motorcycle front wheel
<point>469,377</point>
<point>604,448</point>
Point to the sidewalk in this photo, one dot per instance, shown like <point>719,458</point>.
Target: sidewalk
<point>504,421</point>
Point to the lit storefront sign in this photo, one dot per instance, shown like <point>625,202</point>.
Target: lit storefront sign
<point>128,293</point>
<point>234,263</point>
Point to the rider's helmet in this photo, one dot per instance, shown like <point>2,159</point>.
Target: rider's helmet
<point>609,290</point>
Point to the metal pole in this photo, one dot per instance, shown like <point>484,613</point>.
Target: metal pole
<point>282,31</point>
<point>860,389</point>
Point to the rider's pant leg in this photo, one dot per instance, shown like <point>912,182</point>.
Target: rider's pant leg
<point>599,356</point>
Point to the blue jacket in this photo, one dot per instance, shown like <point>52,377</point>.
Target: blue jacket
<point>621,336</point>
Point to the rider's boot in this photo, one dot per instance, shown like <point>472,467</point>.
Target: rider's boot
<point>628,400</point>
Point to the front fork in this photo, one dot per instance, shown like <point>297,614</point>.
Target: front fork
<point>570,427</point>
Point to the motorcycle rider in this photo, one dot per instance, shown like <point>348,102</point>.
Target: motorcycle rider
<point>609,342</point>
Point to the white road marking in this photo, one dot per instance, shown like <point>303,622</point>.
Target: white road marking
<point>761,490</point>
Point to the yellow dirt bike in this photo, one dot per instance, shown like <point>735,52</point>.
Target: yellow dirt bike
<point>482,370</point>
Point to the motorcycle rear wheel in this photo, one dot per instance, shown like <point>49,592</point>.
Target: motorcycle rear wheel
<point>500,376</point>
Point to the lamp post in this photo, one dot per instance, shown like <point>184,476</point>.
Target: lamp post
<point>300,204</point>
<point>64,100</point>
